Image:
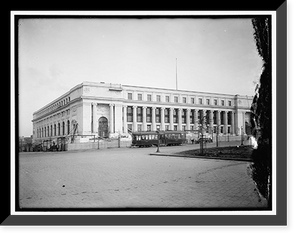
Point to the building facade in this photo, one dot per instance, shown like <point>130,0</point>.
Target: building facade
<point>104,109</point>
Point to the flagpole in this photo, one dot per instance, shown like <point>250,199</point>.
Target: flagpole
<point>176,76</point>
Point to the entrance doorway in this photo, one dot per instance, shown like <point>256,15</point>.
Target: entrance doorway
<point>103,127</point>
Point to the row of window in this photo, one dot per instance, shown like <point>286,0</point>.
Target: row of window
<point>158,115</point>
<point>60,114</point>
<point>56,105</point>
<point>176,99</point>
<point>59,129</point>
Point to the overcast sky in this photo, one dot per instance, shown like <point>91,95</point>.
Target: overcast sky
<point>217,56</point>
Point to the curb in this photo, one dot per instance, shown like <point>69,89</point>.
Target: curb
<point>201,157</point>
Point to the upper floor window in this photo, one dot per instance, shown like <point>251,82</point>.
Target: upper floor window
<point>229,102</point>
<point>167,98</point>
<point>176,99</point>
<point>129,96</point>
<point>192,100</point>
<point>222,102</point>
<point>207,101</point>
<point>149,97</point>
<point>200,101</point>
<point>140,97</point>
<point>183,99</point>
<point>215,102</point>
<point>158,98</point>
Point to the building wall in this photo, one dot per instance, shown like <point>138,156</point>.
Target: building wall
<point>86,103</point>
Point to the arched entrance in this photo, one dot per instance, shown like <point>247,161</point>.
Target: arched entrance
<point>103,127</point>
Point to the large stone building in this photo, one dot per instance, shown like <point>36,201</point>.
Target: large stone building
<point>104,109</point>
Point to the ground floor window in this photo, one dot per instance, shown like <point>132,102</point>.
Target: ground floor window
<point>175,127</point>
<point>167,127</point>
<point>148,127</point>
<point>129,126</point>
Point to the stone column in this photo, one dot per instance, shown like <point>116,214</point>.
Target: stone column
<point>232,123</point>
<point>171,119</point>
<point>162,118</point>
<point>111,118</point>
<point>195,119</point>
<point>188,123</point>
<point>144,118</point>
<point>179,119</point>
<point>134,121</point>
<point>225,122</point>
<point>125,119</point>
<point>95,121</point>
<point>153,119</point>
<point>218,121</point>
<point>211,121</point>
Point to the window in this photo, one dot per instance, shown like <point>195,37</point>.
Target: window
<point>175,116</point>
<point>192,116</point>
<point>192,100</point>
<point>129,96</point>
<point>158,98</point>
<point>183,99</point>
<point>167,118</point>
<point>167,98</point>
<point>149,128</point>
<point>167,127</point>
<point>129,126</point>
<point>139,114</point>
<point>222,102</point>
<point>200,101</point>
<point>215,102</point>
<point>148,115</point>
<point>129,114</point>
<point>183,116</point>
<point>175,127</point>
<point>229,102</point>
<point>149,97</point>
<point>207,101</point>
<point>157,115</point>
<point>140,97</point>
<point>176,99</point>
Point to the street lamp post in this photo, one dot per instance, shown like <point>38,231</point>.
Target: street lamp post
<point>242,137</point>
<point>157,150</point>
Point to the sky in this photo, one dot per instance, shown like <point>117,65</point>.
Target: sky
<point>213,55</point>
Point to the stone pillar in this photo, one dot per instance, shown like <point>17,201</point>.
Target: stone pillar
<point>211,121</point>
<point>179,119</point>
<point>144,118</point>
<point>225,122</point>
<point>162,118</point>
<point>195,119</point>
<point>153,119</point>
<point>125,129</point>
<point>111,118</point>
<point>134,121</point>
<point>232,123</point>
<point>171,118</point>
<point>95,121</point>
<point>188,123</point>
<point>218,121</point>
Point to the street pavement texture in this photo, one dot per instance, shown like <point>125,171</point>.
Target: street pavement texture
<point>129,178</point>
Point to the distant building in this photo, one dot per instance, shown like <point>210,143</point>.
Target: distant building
<point>25,143</point>
<point>104,110</point>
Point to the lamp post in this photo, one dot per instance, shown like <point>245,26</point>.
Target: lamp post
<point>242,137</point>
<point>157,150</point>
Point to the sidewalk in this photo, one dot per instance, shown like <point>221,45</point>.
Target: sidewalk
<point>174,152</point>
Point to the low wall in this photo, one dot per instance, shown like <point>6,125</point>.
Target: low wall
<point>102,144</point>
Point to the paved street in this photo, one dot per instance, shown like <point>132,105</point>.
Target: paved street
<point>130,177</point>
